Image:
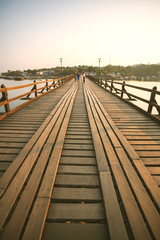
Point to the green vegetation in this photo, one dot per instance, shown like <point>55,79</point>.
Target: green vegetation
<point>140,70</point>
<point>16,73</point>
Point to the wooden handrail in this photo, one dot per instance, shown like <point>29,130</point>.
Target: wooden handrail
<point>133,86</point>
<point>38,92</point>
<point>109,85</point>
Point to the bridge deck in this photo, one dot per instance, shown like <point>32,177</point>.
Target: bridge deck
<point>83,166</point>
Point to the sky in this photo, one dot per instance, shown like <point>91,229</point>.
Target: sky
<point>37,33</point>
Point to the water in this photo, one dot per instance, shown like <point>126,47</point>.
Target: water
<point>146,95</point>
<point>142,94</point>
<point>14,93</point>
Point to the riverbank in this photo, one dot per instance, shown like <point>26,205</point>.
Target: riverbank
<point>28,78</point>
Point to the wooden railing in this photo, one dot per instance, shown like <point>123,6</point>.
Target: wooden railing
<point>120,91</point>
<point>37,90</point>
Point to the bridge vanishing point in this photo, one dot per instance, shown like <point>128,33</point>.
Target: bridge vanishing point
<point>79,163</point>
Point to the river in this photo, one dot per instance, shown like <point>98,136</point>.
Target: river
<point>14,93</point>
<point>142,94</point>
<point>145,84</point>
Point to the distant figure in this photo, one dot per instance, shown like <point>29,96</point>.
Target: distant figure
<point>84,76</point>
<point>75,76</point>
<point>78,75</point>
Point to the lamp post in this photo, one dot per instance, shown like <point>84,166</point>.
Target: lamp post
<point>99,59</point>
<point>61,59</point>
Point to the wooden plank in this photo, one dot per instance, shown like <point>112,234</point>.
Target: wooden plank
<point>49,178</point>
<point>111,127</point>
<point>78,133</point>
<point>133,213</point>
<point>140,127</point>
<point>14,135</point>
<point>1,173</point>
<point>151,161</point>
<point>77,180</point>
<point>75,231</point>
<point>71,136</point>
<point>19,216</point>
<point>146,203</point>
<point>79,212</point>
<point>100,155</point>
<point>17,183</point>
<point>141,133</point>
<point>77,194</point>
<point>148,153</point>
<point>125,192</point>
<point>11,145</point>
<point>149,181</point>
<point>77,169</point>
<point>22,120</point>
<point>154,170</point>
<point>18,127</point>
<point>78,141</point>
<point>7,157</point>
<point>79,120</point>
<point>147,147</point>
<point>19,140</point>
<point>144,138</point>
<point>4,166</point>
<point>22,155</point>
<point>16,131</point>
<point>22,209</point>
<point>140,120</point>
<point>113,211</point>
<point>130,123</point>
<point>74,124</point>
<point>78,161</point>
<point>77,147</point>
<point>76,129</point>
<point>149,142</point>
<point>157,179</point>
<point>4,125</point>
<point>82,153</point>
<point>10,150</point>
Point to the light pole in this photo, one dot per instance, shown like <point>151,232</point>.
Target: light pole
<point>99,59</point>
<point>61,59</point>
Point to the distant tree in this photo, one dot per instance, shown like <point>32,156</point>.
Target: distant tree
<point>32,72</point>
<point>13,73</point>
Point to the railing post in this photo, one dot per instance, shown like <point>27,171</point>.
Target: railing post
<point>63,81</point>
<point>35,88</point>
<point>47,86</point>
<point>112,85</point>
<point>101,81</point>
<point>152,99</point>
<point>5,98</point>
<point>123,89</point>
<point>105,84</point>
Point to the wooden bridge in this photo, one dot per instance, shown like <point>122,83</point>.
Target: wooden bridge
<point>79,163</point>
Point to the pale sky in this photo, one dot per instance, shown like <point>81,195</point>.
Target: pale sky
<point>37,33</point>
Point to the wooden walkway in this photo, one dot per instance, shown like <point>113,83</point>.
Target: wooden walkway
<point>79,163</point>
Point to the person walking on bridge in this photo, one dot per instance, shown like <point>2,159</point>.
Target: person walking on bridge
<point>75,76</point>
<point>78,75</point>
<point>84,76</point>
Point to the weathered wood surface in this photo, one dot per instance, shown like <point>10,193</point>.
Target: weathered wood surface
<point>17,129</point>
<point>119,163</point>
<point>75,174</point>
<point>140,131</point>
